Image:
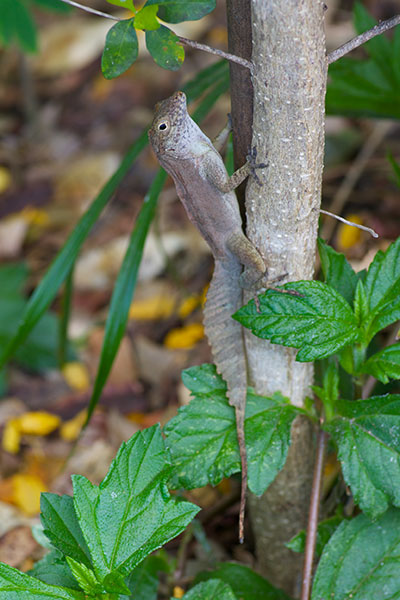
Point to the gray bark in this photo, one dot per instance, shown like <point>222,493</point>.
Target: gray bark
<point>288,129</point>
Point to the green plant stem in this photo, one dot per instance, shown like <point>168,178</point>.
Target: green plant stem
<point>64,318</point>
<point>313,516</point>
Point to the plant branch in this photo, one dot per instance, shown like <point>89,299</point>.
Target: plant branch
<point>92,10</point>
<point>232,57</point>
<point>350,223</point>
<point>313,516</point>
<point>362,38</point>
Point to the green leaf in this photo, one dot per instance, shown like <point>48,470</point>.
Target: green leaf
<point>384,364</point>
<point>367,434</point>
<point>85,577</point>
<point>61,526</point>
<point>61,266</point>
<point>128,4</point>
<point>120,50</point>
<point>329,392</point>
<point>12,279</point>
<point>15,585</point>
<point>382,289</point>
<point>123,290</point>
<point>129,515</point>
<point>54,5</point>
<point>146,18</point>
<point>213,588</point>
<point>144,581</point>
<point>54,569</point>
<point>175,11</point>
<point>16,22</point>
<point>325,531</point>
<point>319,322</point>
<point>245,583</point>
<point>39,351</point>
<point>366,87</point>
<point>203,441</point>
<point>393,162</point>
<point>337,272</point>
<point>165,49</point>
<point>361,561</point>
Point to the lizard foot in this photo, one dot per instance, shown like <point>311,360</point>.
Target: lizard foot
<point>251,159</point>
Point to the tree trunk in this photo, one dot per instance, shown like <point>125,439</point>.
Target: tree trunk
<point>289,83</point>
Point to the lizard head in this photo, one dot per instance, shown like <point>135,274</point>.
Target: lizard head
<point>170,130</point>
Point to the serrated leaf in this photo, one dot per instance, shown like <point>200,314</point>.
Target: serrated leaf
<point>213,588</point>
<point>361,561</point>
<point>325,531</point>
<point>53,569</point>
<point>85,577</point>
<point>61,266</point>
<point>15,585</point>
<point>146,18</point>
<point>202,438</point>
<point>384,365</point>
<point>124,288</point>
<point>367,434</point>
<point>120,50</point>
<point>319,322</point>
<point>366,87</point>
<point>245,583</point>
<point>175,11</point>
<point>61,526</point>
<point>163,45</point>
<point>129,515</point>
<point>338,273</point>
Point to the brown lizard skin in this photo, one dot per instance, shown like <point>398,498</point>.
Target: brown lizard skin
<point>206,191</point>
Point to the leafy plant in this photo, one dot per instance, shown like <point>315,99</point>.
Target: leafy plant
<point>17,24</point>
<point>369,87</point>
<point>121,48</point>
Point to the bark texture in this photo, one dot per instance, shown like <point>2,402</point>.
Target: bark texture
<point>282,215</point>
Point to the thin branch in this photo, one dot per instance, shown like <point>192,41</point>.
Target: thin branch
<point>362,38</point>
<point>232,57</point>
<point>313,516</point>
<point>92,10</point>
<point>363,227</point>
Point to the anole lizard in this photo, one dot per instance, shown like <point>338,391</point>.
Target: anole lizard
<point>207,193</point>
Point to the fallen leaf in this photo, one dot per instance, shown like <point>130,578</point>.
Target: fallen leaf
<point>77,376</point>
<point>158,307</point>
<point>27,490</point>
<point>349,236</point>
<point>184,337</point>
<point>17,545</point>
<point>70,430</point>
<point>38,423</point>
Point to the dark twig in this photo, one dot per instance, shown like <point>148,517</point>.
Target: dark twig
<point>236,59</point>
<point>362,38</point>
<point>313,516</point>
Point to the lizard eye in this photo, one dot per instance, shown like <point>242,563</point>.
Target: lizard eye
<point>163,125</point>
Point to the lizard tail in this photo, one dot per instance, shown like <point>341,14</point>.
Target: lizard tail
<point>225,335</point>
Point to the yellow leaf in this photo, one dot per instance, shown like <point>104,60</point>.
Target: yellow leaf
<point>348,236</point>
<point>188,305</point>
<point>38,423</point>
<point>77,376</point>
<point>11,436</point>
<point>184,337</point>
<point>27,490</point>
<point>70,430</point>
<point>158,307</point>
<point>5,179</point>
<point>178,592</point>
